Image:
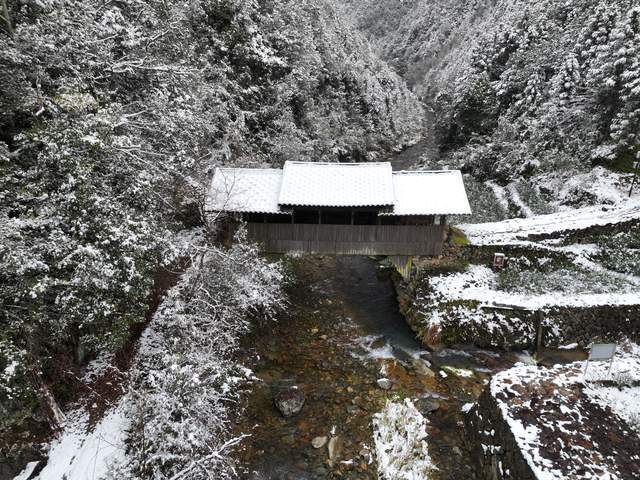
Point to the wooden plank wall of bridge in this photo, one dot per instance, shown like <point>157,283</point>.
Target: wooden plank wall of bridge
<point>349,239</point>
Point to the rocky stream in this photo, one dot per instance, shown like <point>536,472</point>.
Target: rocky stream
<point>341,334</point>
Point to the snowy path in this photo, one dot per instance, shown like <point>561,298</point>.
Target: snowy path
<point>515,231</point>
<point>82,453</point>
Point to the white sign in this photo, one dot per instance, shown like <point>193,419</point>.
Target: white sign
<point>601,352</point>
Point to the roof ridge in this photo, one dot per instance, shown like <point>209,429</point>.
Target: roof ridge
<point>337,164</point>
<point>252,169</point>
<point>452,170</point>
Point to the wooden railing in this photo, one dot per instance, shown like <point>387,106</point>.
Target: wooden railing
<point>349,239</point>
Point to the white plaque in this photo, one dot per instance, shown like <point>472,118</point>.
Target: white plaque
<point>602,351</point>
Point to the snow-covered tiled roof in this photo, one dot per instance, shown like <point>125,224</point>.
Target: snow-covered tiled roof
<point>266,190</point>
<point>435,192</point>
<point>336,184</point>
<point>253,190</point>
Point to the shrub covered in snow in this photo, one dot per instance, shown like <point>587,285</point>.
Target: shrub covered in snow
<point>16,400</point>
<point>570,279</point>
<point>620,252</point>
<point>184,384</point>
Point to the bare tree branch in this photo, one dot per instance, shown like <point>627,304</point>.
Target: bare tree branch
<point>6,18</point>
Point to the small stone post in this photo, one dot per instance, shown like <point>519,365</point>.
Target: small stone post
<point>539,333</point>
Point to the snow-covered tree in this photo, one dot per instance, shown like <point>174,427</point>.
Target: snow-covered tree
<point>112,117</point>
<point>184,386</point>
<point>534,88</point>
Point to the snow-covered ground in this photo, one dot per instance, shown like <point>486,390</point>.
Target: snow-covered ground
<point>479,283</point>
<point>624,401</point>
<point>624,397</point>
<point>584,283</point>
<point>515,231</point>
<point>540,404</point>
<point>400,437</point>
<point>83,452</point>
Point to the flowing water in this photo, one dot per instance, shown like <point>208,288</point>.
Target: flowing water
<point>341,333</point>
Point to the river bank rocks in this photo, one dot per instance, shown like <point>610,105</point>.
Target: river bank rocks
<point>324,345</point>
<point>605,323</point>
<point>384,383</point>
<point>534,423</point>
<point>439,322</point>
<point>334,448</point>
<point>319,442</point>
<point>451,301</point>
<point>311,346</point>
<point>289,401</point>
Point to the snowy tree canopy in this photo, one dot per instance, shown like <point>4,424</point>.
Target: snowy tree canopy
<point>112,116</point>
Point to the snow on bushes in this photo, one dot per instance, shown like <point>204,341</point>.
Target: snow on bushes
<point>16,400</point>
<point>400,437</point>
<point>184,382</point>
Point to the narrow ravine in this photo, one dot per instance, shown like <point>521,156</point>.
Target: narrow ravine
<point>340,332</point>
<point>425,153</point>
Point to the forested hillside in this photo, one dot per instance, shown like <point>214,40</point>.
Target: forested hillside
<point>112,116</point>
<point>121,311</point>
<point>531,97</point>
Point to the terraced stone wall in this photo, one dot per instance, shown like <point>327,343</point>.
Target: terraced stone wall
<point>492,444</point>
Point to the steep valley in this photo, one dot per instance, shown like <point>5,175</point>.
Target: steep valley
<point>114,117</point>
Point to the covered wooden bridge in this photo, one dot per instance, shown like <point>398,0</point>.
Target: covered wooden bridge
<point>341,208</point>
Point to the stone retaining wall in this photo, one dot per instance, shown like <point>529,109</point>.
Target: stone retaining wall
<point>516,328</point>
<point>587,324</point>
<point>492,445</point>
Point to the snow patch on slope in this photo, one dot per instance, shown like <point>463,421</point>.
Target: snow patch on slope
<point>85,453</point>
<point>517,229</point>
<point>624,401</point>
<point>478,283</point>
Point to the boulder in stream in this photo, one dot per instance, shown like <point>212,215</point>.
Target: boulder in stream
<point>334,448</point>
<point>289,401</point>
<point>384,383</point>
<point>427,406</point>
<point>422,367</point>
<point>319,442</point>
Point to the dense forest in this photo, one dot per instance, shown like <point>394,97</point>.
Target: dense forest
<point>530,96</point>
<point>112,118</point>
<point>114,114</point>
